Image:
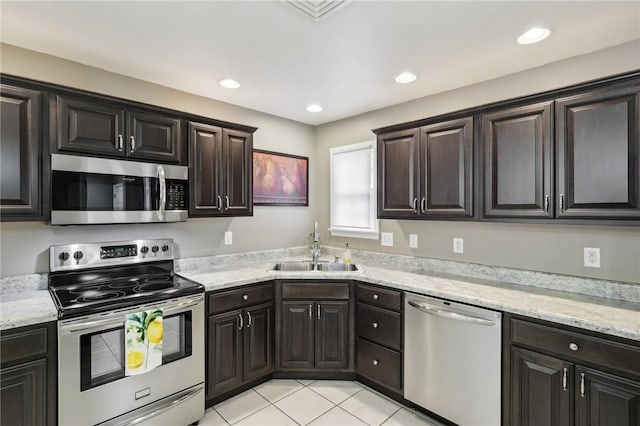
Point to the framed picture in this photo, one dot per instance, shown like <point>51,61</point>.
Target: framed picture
<point>280,179</point>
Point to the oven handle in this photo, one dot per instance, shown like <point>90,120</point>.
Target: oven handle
<point>116,318</point>
<point>170,405</point>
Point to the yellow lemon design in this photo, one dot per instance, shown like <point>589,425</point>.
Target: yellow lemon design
<point>135,360</point>
<point>154,332</point>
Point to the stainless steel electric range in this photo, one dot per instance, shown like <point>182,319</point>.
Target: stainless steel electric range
<point>95,286</point>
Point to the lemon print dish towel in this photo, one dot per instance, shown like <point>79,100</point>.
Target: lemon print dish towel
<point>143,336</point>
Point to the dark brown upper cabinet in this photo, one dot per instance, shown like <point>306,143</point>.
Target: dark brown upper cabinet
<point>23,192</point>
<point>426,172</point>
<point>598,154</point>
<point>102,128</point>
<point>518,162</point>
<point>220,174</point>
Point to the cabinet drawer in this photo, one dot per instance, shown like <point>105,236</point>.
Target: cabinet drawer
<point>383,298</point>
<point>596,350</point>
<point>239,298</point>
<point>315,290</point>
<point>380,364</point>
<point>378,325</point>
<point>25,343</point>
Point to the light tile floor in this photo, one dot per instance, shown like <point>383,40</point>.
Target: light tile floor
<point>312,402</point>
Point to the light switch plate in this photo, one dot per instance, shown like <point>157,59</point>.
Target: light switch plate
<point>386,239</point>
<point>413,240</point>
<point>458,245</point>
<point>228,238</point>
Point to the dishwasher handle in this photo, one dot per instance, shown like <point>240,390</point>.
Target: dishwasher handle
<point>439,312</point>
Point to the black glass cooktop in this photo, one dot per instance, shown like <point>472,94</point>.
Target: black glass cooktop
<point>106,289</point>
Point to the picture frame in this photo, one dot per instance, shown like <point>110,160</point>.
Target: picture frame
<point>280,179</point>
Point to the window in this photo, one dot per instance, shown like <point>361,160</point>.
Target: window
<point>353,191</point>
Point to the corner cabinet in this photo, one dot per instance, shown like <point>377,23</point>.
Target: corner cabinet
<point>565,377</point>
<point>28,376</point>
<point>23,192</point>
<point>426,172</point>
<point>98,127</point>
<point>239,339</point>
<point>220,164</point>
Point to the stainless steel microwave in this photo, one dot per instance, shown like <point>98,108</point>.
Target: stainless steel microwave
<point>90,190</point>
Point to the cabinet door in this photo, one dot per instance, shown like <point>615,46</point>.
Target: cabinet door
<point>237,188</point>
<point>154,137</point>
<point>598,162</point>
<point>20,154</point>
<point>297,335</point>
<point>23,394</point>
<point>518,177</point>
<point>541,390</point>
<point>446,177</point>
<point>398,171</point>
<point>606,400</point>
<point>90,127</point>
<point>258,341</point>
<point>205,157</point>
<point>224,360</point>
<point>332,334</point>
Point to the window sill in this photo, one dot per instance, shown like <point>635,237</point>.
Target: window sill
<point>354,233</point>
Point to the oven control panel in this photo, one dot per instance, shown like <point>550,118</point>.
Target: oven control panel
<point>92,255</point>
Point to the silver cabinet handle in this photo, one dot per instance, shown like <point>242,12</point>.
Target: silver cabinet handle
<point>241,322</point>
<point>163,193</point>
<point>573,346</point>
<point>376,362</point>
<point>132,144</point>
<point>318,311</point>
<point>219,203</point>
<point>582,392</point>
<point>423,204</point>
<point>248,319</point>
<point>561,202</point>
<point>120,143</point>
<point>564,379</point>
<point>226,198</point>
<point>375,325</point>
<point>546,203</point>
<point>245,297</point>
<point>415,206</point>
<point>310,308</point>
<point>375,297</point>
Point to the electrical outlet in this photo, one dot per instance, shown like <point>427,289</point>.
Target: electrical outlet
<point>386,239</point>
<point>591,257</point>
<point>413,240</point>
<point>458,245</point>
<point>228,238</point>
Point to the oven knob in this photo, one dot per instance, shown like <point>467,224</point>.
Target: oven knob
<point>154,249</point>
<point>165,247</point>
<point>78,255</point>
<point>144,250</point>
<point>64,256</point>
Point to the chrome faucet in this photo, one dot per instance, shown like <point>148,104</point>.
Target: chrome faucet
<point>315,248</point>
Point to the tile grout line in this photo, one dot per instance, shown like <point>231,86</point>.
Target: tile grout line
<point>292,419</point>
<point>242,418</point>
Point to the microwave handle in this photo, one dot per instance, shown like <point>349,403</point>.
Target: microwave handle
<point>163,193</point>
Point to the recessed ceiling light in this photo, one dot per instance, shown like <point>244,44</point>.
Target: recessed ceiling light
<point>314,108</point>
<point>405,77</point>
<point>534,35</point>
<point>229,83</point>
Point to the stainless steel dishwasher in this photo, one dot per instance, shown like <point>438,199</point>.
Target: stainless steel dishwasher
<point>452,360</point>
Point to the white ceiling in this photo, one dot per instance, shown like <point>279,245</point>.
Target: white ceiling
<point>285,60</point>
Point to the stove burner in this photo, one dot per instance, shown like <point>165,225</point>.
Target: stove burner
<point>131,282</point>
<point>153,286</point>
<point>93,296</point>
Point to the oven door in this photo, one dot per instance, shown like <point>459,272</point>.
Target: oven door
<point>92,384</point>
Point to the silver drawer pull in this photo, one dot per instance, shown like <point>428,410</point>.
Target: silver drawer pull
<point>582,391</point>
<point>375,325</point>
<point>375,297</point>
<point>573,346</point>
<point>376,362</point>
<point>245,297</point>
<point>564,379</point>
<point>241,323</point>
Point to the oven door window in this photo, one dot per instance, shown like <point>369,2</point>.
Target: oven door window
<point>102,354</point>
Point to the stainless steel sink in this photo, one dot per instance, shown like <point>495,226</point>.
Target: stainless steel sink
<point>337,267</point>
<point>293,266</point>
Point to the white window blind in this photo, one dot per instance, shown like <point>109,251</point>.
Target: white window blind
<point>353,191</point>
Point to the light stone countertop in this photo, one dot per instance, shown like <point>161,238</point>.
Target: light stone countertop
<point>25,300</point>
<point>609,316</point>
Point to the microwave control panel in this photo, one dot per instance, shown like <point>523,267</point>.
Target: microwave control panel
<point>176,195</point>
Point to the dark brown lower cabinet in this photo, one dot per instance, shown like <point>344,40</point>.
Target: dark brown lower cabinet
<point>28,376</point>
